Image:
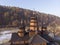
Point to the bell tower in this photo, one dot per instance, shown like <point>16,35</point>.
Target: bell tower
<point>33,26</point>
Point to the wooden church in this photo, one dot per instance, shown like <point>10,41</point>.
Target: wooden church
<point>31,38</point>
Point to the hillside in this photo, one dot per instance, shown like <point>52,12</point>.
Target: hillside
<point>13,16</point>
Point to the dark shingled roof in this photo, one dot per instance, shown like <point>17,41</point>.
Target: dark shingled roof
<point>15,37</point>
<point>37,39</point>
<point>34,39</point>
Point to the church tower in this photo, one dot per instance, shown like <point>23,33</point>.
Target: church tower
<point>33,26</point>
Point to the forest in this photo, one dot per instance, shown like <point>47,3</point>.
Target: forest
<point>14,17</point>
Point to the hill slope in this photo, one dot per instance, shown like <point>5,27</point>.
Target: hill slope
<point>13,16</point>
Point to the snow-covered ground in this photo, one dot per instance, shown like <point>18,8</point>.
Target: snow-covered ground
<point>57,38</point>
<point>5,36</point>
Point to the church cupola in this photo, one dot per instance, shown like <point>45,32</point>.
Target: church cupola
<point>21,32</point>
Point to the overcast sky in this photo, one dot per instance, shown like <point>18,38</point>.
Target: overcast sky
<point>46,6</point>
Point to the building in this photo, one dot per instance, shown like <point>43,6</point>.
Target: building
<point>37,40</point>
<point>30,38</point>
<point>26,40</point>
